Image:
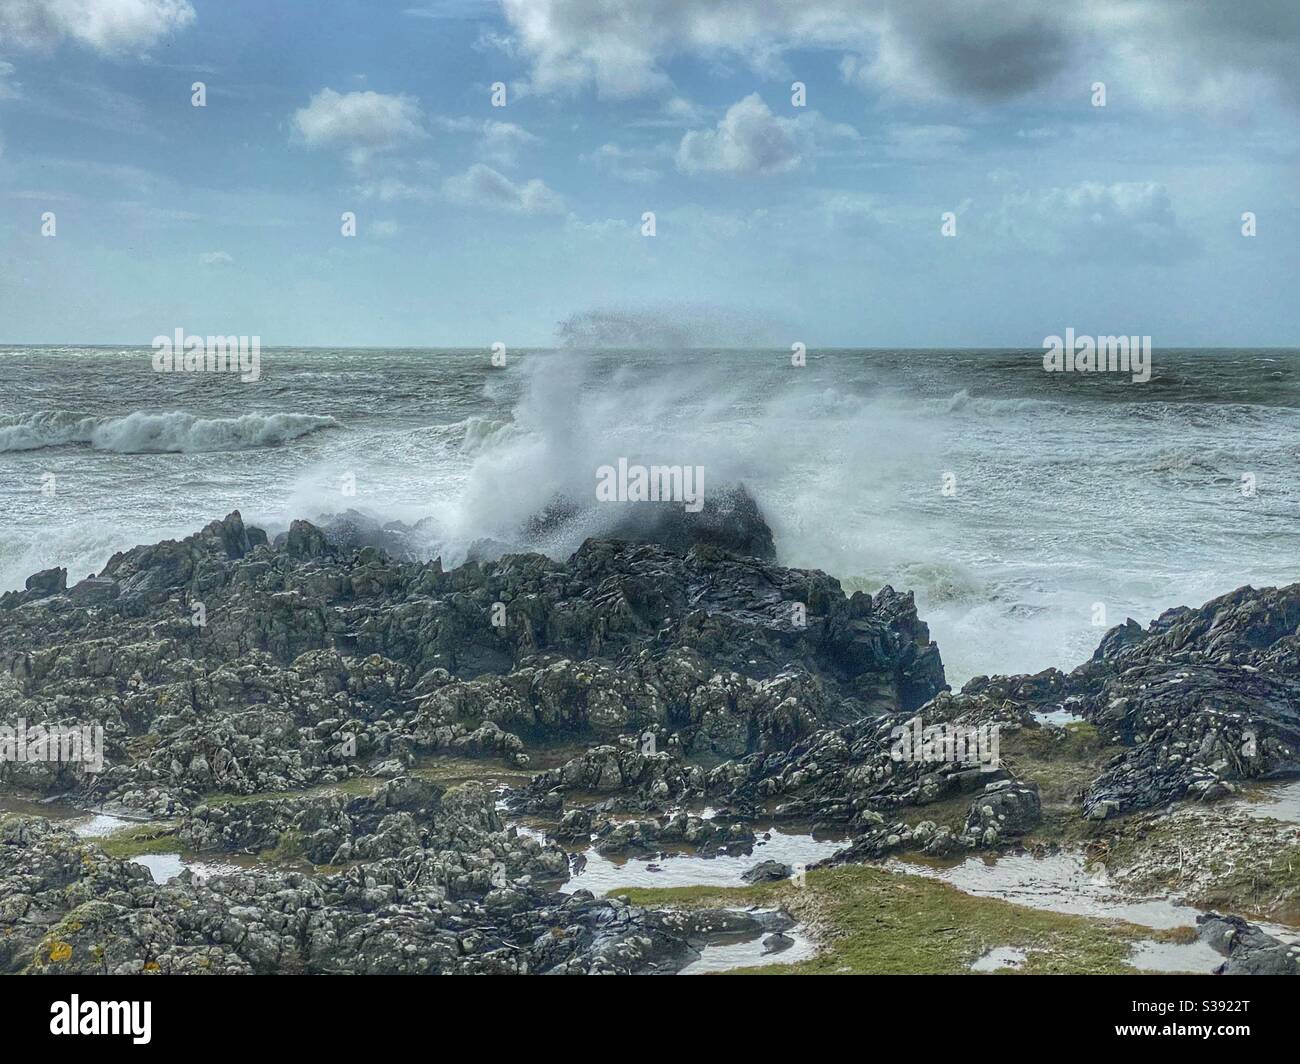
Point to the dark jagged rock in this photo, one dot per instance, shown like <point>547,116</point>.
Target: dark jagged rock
<point>49,582</point>
<point>1201,698</point>
<point>729,519</point>
<point>1249,950</point>
<point>38,586</point>
<point>837,775</point>
<point>777,943</point>
<point>353,530</point>
<point>70,909</point>
<point>768,872</point>
<point>241,685</point>
<point>251,667</point>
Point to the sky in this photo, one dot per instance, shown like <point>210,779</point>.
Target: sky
<point>780,216</point>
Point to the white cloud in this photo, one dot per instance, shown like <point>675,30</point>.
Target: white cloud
<point>385,228</point>
<point>217,258</point>
<point>1125,220</point>
<point>628,164</point>
<point>112,27</point>
<point>498,142</point>
<point>993,46</point>
<point>501,142</point>
<point>750,139</point>
<point>360,123</point>
<point>481,186</point>
<point>681,110</point>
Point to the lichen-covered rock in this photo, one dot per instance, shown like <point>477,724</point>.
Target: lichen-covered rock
<point>220,664</point>
<point>1005,810</point>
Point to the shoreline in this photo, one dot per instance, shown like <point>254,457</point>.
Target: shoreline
<point>327,721</point>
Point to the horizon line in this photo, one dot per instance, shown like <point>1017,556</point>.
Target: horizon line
<point>460,348</point>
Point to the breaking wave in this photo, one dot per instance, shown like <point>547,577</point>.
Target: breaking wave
<point>170,433</point>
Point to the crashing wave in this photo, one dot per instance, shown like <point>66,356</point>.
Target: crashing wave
<point>170,433</point>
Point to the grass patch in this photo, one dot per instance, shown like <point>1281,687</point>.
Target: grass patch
<point>1211,857</point>
<point>138,841</point>
<point>1062,761</point>
<point>356,787</point>
<point>872,922</point>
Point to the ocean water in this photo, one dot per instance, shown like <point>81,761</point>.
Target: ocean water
<point>1066,492</point>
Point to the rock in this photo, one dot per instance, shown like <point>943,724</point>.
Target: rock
<point>672,673</point>
<point>353,530</point>
<point>305,540</point>
<point>94,591</point>
<point>70,909</point>
<point>1006,809</point>
<point>48,582</point>
<point>777,943</point>
<point>1249,950</point>
<point>1200,699</point>
<point>767,872</point>
<point>729,520</point>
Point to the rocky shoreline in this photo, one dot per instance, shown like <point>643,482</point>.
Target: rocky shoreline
<point>291,701</point>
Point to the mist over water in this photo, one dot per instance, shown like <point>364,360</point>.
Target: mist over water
<point>1069,490</point>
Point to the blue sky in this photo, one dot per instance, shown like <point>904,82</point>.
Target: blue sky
<point>774,223</point>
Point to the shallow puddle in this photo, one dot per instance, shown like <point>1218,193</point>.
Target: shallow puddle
<point>1272,801</point>
<point>1059,717</point>
<point>98,825</point>
<point>602,874</point>
<point>1061,883</point>
<point>750,953</point>
<point>1197,958</point>
<point>995,960</point>
<point>165,867</point>
<point>86,824</point>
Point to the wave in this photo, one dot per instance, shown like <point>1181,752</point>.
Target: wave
<point>964,401</point>
<point>171,433</point>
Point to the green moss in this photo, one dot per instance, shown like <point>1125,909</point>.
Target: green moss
<point>448,769</point>
<point>869,921</point>
<point>356,786</point>
<point>146,839</point>
<point>1062,761</point>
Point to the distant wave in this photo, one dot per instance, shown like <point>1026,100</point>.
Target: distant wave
<point>170,433</point>
<point>964,401</point>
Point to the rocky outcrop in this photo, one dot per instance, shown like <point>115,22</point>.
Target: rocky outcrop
<point>1201,698</point>
<point>67,908</point>
<point>222,664</point>
<point>278,699</point>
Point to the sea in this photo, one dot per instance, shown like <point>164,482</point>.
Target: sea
<point>1027,510</point>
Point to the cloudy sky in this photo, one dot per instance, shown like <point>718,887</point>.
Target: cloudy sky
<point>774,222</point>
